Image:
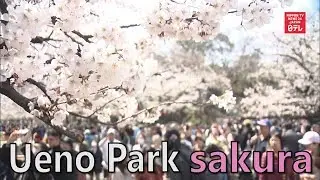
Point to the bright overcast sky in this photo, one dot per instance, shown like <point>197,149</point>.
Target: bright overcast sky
<point>238,35</point>
<point>277,22</point>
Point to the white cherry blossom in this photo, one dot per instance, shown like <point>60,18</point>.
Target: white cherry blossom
<point>85,51</point>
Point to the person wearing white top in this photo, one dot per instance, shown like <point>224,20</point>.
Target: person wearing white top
<point>103,145</point>
<point>311,142</point>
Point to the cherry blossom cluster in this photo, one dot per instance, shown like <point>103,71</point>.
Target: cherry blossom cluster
<point>200,19</point>
<point>226,101</point>
<point>268,101</point>
<point>85,56</point>
<point>184,21</point>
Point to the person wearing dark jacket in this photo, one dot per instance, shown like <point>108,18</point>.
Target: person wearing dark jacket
<point>31,174</point>
<point>245,134</point>
<point>290,139</point>
<point>54,143</point>
<point>5,170</point>
<point>182,160</point>
<point>97,161</point>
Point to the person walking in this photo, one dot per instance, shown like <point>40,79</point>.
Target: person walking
<point>54,142</point>
<point>103,145</point>
<point>275,146</point>
<point>95,173</point>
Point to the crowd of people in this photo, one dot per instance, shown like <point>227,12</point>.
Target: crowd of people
<point>260,136</point>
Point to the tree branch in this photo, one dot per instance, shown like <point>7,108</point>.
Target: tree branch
<point>280,40</point>
<point>73,39</point>
<point>103,106</point>
<point>299,54</point>
<point>3,7</point>
<point>7,90</point>
<point>94,119</point>
<point>22,101</point>
<point>108,88</point>
<point>156,106</point>
<point>130,25</point>
<point>41,86</point>
<point>78,115</point>
<point>234,11</point>
<point>300,63</point>
<point>40,40</point>
<point>98,109</point>
<point>178,2</point>
<point>84,37</point>
<point>297,61</point>
<point>75,136</point>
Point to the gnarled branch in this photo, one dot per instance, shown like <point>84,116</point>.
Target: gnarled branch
<point>7,90</point>
<point>22,101</point>
<point>41,86</point>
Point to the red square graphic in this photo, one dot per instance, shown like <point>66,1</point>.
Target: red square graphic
<point>295,22</point>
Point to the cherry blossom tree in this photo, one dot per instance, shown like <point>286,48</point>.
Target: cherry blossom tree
<point>184,77</point>
<point>294,90</point>
<point>91,57</point>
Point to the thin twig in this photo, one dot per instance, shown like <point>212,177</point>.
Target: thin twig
<point>91,115</point>
<point>178,2</point>
<point>77,115</point>
<point>161,104</point>
<point>74,40</point>
<point>103,106</point>
<point>108,88</point>
<point>130,25</point>
<point>297,61</point>
<point>234,11</point>
<point>84,37</point>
